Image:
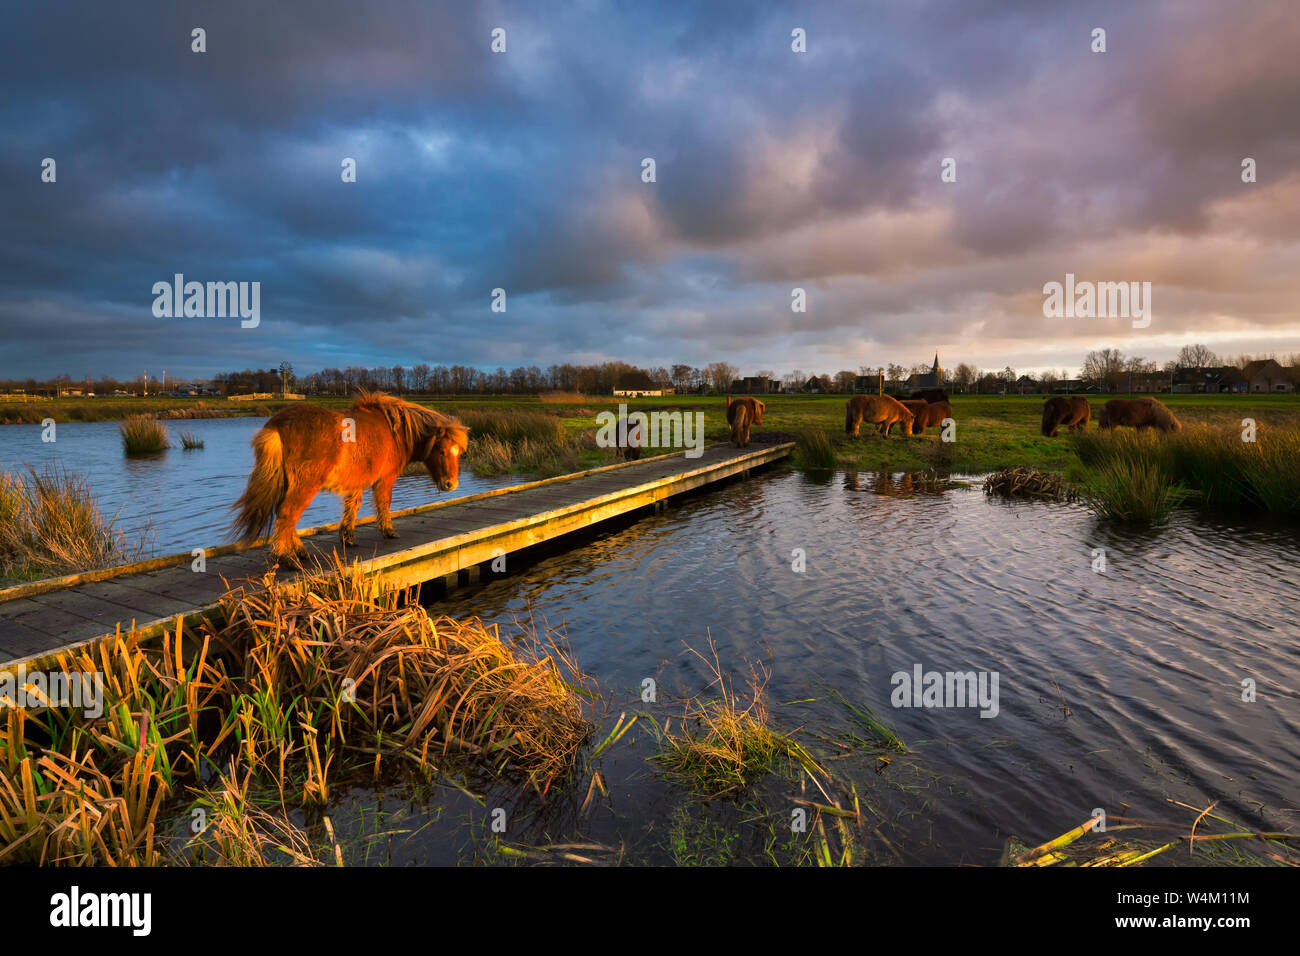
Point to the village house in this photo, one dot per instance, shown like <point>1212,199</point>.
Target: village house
<point>639,385</point>
<point>1266,375</point>
<point>1211,378</point>
<point>755,385</point>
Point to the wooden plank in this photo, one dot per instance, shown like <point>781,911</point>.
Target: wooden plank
<point>18,606</point>
<point>93,609</point>
<point>141,605</point>
<point>19,642</point>
<point>50,620</point>
<point>185,585</point>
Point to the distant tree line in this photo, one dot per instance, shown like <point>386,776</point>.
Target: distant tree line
<point>1107,369</point>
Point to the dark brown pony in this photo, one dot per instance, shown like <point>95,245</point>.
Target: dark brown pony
<point>929,414</point>
<point>930,395</point>
<point>1072,411</point>
<point>630,437</point>
<point>305,448</point>
<point>1138,413</point>
<point>741,413</point>
<point>879,410</point>
<point>913,405</point>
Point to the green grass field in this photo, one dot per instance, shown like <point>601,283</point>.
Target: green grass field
<point>993,431</point>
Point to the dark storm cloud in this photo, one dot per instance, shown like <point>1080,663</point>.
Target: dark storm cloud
<point>522,171</point>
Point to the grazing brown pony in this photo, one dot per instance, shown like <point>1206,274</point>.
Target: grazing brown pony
<point>1072,411</point>
<point>741,413</point>
<point>879,410</point>
<point>1138,413</point>
<point>929,414</point>
<point>913,405</point>
<point>630,436</point>
<point>930,395</point>
<point>304,448</point>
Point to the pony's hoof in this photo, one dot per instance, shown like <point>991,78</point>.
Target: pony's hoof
<point>389,533</point>
<point>348,541</point>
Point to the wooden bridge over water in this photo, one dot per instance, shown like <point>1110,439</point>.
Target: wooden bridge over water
<point>451,542</point>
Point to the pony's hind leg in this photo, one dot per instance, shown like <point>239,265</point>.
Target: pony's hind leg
<point>286,542</point>
<point>382,492</point>
<point>347,528</point>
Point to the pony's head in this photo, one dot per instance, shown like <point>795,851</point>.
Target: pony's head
<point>1051,416</point>
<point>441,453</point>
<point>907,420</point>
<point>758,415</point>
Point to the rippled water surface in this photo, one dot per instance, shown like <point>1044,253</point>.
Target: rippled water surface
<point>177,500</point>
<point>1148,657</point>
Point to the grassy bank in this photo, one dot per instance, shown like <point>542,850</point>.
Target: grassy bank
<point>118,409</point>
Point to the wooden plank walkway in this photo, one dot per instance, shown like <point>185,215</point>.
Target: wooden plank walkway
<point>447,540</point>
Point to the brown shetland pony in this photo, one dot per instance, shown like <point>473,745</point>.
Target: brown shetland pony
<point>879,410</point>
<point>630,437</point>
<point>1138,413</point>
<point>305,448</point>
<point>741,413</point>
<point>1072,411</point>
<point>930,415</point>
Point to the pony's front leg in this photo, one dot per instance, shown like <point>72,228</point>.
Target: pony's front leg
<point>347,529</point>
<point>382,492</point>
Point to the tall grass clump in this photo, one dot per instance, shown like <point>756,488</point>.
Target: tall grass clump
<point>1215,464</point>
<point>50,525</point>
<point>360,668</point>
<point>1132,492</point>
<point>190,441</point>
<point>533,442</point>
<point>814,450</point>
<point>301,688</point>
<point>143,435</point>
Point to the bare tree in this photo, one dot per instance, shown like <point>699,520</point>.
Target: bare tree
<point>720,375</point>
<point>1196,356</point>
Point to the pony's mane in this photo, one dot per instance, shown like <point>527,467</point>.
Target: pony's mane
<point>411,423</point>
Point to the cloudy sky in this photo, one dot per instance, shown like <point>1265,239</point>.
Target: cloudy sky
<point>522,170</point>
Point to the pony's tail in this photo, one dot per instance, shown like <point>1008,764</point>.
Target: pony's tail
<point>741,423</point>
<point>267,487</point>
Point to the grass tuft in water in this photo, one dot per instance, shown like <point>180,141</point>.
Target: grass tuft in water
<point>814,450</point>
<point>725,745</point>
<point>50,525</point>
<point>143,435</point>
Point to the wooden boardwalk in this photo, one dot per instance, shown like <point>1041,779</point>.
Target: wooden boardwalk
<point>447,541</point>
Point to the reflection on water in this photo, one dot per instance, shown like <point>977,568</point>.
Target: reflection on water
<point>1149,656</point>
<point>179,499</point>
<point>897,484</point>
